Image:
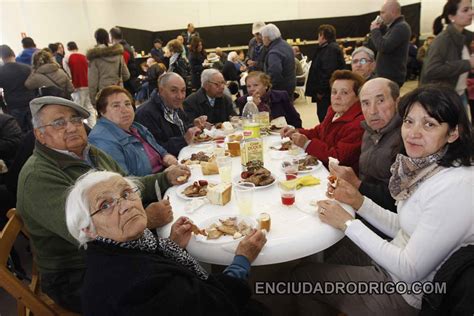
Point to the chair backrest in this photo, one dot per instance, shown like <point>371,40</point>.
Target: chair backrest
<point>20,291</point>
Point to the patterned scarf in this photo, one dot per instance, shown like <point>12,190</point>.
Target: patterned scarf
<point>408,173</point>
<point>148,243</point>
<point>172,116</point>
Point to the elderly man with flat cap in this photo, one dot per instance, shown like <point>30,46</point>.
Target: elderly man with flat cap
<point>61,155</point>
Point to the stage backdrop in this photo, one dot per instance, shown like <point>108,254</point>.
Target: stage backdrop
<point>306,29</point>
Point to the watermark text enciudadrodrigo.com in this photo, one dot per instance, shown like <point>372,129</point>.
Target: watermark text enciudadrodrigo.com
<point>351,287</point>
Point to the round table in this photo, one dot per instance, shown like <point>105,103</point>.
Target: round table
<point>295,232</point>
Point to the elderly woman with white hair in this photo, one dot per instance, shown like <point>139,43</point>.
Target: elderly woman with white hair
<point>280,60</point>
<point>233,68</point>
<point>132,272</point>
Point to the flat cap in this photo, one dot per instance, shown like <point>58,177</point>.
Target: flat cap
<point>257,26</point>
<point>38,103</point>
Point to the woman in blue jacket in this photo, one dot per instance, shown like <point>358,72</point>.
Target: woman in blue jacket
<point>128,142</point>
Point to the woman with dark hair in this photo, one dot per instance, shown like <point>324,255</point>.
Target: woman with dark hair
<point>106,64</point>
<point>276,102</point>
<point>197,56</point>
<point>448,60</point>
<point>432,183</point>
<point>46,73</point>
<point>131,145</point>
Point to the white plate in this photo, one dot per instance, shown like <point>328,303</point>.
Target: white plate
<point>278,132</point>
<point>238,179</point>
<point>180,189</point>
<point>223,239</point>
<point>312,168</point>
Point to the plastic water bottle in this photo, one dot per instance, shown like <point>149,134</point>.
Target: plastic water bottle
<point>250,123</point>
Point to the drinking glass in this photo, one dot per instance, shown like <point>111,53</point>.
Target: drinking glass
<point>290,168</point>
<point>224,163</point>
<point>244,192</point>
<point>287,191</point>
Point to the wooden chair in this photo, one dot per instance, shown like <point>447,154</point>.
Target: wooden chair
<point>29,299</point>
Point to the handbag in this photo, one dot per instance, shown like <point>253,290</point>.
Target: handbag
<point>55,90</point>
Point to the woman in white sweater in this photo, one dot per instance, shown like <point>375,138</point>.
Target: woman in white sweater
<point>433,186</point>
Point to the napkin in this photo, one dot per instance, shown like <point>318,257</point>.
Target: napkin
<point>307,180</point>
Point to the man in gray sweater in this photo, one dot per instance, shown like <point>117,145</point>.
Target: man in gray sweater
<point>391,46</point>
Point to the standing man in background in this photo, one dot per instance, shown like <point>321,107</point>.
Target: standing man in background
<point>75,64</point>
<point>257,51</point>
<point>29,48</point>
<point>132,84</point>
<point>327,58</point>
<point>12,79</point>
<point>392,45</point>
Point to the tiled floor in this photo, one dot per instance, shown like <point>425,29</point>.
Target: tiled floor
<point>307,111</point>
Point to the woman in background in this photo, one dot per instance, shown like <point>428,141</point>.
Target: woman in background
<point>197,56</point>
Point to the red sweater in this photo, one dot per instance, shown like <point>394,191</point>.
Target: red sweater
<point>341,139</point>
<point>78,65</point>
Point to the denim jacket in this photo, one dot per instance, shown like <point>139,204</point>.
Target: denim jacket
<point>126,149</point>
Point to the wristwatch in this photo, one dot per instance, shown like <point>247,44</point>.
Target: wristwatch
<point>347,224</point>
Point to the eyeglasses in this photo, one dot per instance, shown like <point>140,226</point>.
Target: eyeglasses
<point>221,83</point>
<point>109,205</point>
<point>361,61</point>
<point>62,123</point>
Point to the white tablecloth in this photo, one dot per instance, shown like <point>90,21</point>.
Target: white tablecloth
<point>295,231</point>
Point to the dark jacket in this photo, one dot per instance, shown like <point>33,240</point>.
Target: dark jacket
<point>12,80</point>
<point>17,95</point>
<point>280,105</point>
<point>10,137</point>
<point>280,66</point>
<point>230,72</point>
<point>392,50</point>
<point>150,114</point>
<point>444,62</point>
<point>326,60</point>
<point>378,153</point>
<point>457,274</point>
<point>197,104</point>
<point>195,61</point>
<point>258,57</point>
<point>139,283</point>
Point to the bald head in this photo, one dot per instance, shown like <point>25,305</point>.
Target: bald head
<point>172,90</point>
<point>379,98</point>
<point>390,11</point>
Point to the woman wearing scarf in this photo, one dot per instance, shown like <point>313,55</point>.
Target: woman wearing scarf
<point>432,184</point>
<point>132,272</point>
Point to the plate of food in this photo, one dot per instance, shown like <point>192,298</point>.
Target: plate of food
<point>275,130</point>
<point>283,144</point>
<point>202,138</point>
<point>305,165</point>
<point>193,189</point>
<point>223,229</point>
<point>261,177</point>
<point>197,158</point>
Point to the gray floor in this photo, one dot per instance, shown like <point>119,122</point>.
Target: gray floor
<point>307,111</point>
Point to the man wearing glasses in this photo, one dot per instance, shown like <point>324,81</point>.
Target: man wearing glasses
<point>363,62</point>
<point>61,155</point>
<point>210,100</point>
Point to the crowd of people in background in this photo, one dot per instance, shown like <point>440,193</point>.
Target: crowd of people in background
<point>66,113</point>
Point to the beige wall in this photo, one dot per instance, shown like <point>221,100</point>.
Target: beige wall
<point>64,20</point>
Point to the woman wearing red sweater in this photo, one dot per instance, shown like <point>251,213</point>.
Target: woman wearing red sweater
<point>340,134</point>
